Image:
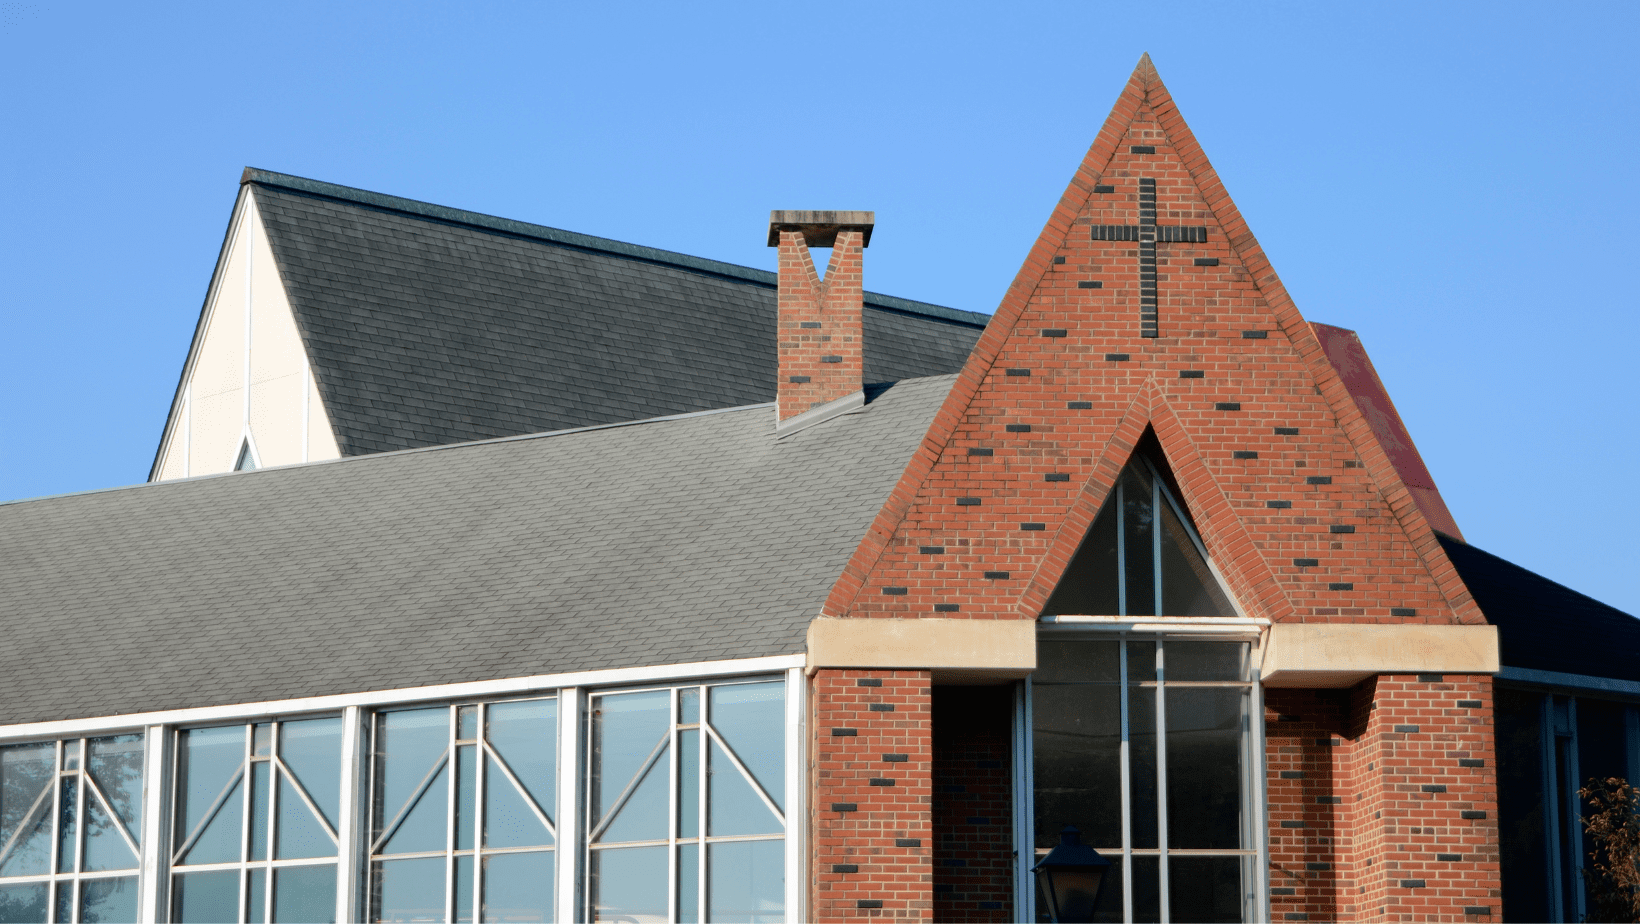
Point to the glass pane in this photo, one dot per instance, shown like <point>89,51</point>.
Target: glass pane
<point>116,766</point>
<point>262,739</point>
<point>689,783</point>
<point>424,828</point>
<point>71,755</point>
<point>1077,736</point>
<point>1138,542</point>
<point>689,884</point>
<point>1141,662</point>
<point>628,884</point>
<point>409,745</point>
<point>1109,908</point>
<point>205,898</point>
<point>466,795</point>
<point>466,722</point>
<point>105,848</point>
<point>65,900</point>
<point>689,706</point>
<point>1188,585</point>
<point>625,731</point>
<point>1204,767</point>
<point>526,736</point>
<point>1147,890</point>
<point>108,901</point>
<point>304,895</point>
<point>67,815</point>
<point>300,834</point>
<point>518,887</point>
<point>256,901</point>
<point>408,890</point>
<point>751,717</point>
<point>261,776</point>
<point>732,806</point>
<point>312,749</point>
<point>1089,585</point>
<point>508,819</point>
<point>746,881</point>
<point>1204,890</point>
<point>26,774</point>
<point>208,760</point>
<point>24,904</point>
<point>643,817</point>
<point>1072,661</point>
<point>464,890</point>
<point>1205,660</point>
<point>1142,764</point>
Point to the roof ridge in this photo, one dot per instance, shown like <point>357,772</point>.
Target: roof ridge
<point>576,239</point>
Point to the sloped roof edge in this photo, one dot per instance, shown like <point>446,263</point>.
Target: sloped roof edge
<point>510,226</point>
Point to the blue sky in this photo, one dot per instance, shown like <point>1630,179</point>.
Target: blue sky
<point>1455,182</point>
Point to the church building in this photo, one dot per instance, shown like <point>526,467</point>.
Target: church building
<point>493,572</point>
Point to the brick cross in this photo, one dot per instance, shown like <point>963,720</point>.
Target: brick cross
<point>1149,234</point>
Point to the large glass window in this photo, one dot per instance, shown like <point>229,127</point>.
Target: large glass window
<point>686,804</point>
<point>256,814</point>
<point>462,802</point>
<point>1145,744</point>
<point>71,829</point>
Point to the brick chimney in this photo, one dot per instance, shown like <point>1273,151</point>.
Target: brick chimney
<point>821,343</point>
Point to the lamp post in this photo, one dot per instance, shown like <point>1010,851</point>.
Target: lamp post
<point>1070,876</point>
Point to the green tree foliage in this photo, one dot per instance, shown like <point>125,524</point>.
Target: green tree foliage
<point>1612,825</point>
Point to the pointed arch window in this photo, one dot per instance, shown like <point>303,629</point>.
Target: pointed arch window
<point>247,459</point>
<point>1141,557</point>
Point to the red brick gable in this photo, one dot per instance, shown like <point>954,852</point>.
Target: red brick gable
<point>1063,383</point>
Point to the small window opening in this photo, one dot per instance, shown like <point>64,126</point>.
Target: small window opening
<point>247,461</point>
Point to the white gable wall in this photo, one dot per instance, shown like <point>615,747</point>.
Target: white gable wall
<point>248,373</point>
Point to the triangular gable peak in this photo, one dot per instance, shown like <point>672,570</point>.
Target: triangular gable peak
<point>1297,504</point>
<point>247,383</point>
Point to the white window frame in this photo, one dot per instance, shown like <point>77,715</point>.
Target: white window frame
<point>571,688</point>
<point>1256,907</point>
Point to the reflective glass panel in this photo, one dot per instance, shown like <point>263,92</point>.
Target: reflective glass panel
<point>688,706</point>
<point>1205,660</point>
<point>626,731</point>
<point>1204,889</point>
<point>746,881</point>
<point>508,819</point>
<point>67,818</point>
<point>312,750</point>
<point>1142,764</point>
<point>300,834</point>
<point>65,899</point>
<point>1141,661</point>
<point>1204,783</point>
<point>518,887</point>
<point>209,764</point>
<point>466,808</point>
<point>256,901</point>
<point>464,890</point>
<point>1076,661</point>
<point>425,824</point>
<point>1147,890</point>
<point>1108,909</point>
<point>1077,741</point>
<point>411,746</point>
<point>108,901</point>
<point>733,807</point>
<point>749,717</point>
<point>116,765</point>
<point>689,884</point>
<point>466,722</point>
<point>408,890</point>
<point>26,775</point>
<point>1138,542</point>
<point>1188,585</point>
<point>628,884</point>
<point>688,782</point>
<point>261,776</point>
<point>24,904</point>
<point>525,735</point>
<point>106,847</point>
<point>643,816</point>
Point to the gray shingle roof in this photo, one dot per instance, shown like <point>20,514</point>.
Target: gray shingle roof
<point>427,325</point>
<point>661,542</point>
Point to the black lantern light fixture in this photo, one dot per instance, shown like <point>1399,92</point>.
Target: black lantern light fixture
<point>1070,876</point>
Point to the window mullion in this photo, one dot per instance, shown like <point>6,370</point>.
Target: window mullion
<point>347,820</point>
<point>672,796</point>
<point>569,850</point>
<point>704,813</point>
<point>481,783</point>
<point>152,871</point>
<point>1161,778</point>
<point>450,784</point>
<point>1124,755</point>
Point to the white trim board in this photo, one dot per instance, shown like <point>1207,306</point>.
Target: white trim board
<point>471,690</point>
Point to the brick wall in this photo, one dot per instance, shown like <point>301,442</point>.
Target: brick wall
<point>873,825</point>
<point>973,804</point>
<point>822,356</point>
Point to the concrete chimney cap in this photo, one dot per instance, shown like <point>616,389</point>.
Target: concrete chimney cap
<point>820,227</point>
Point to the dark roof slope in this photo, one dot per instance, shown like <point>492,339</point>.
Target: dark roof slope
<point>1547,626</point>
<point>427,325</point>
<point>669,541</point>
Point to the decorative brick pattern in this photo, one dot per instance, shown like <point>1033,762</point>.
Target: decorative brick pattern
<point>889,881</point>
<point>822,356</point>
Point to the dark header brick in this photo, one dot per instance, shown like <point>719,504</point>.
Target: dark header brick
<point>896,758</point>
<point>1055,332</point>
<point>1286,431</point>
<point>1341,585</point>
<point>869,682</point>
<point>1018,428</point>
<point>1090,284</point>
<point>1430,678</point>
<point>1191,373</point>
<point>895,591</point>
<point>1317,479</point>
<point>967,502</point>
<point>845,733</point>
<point>1033,527</point>
<point>845,807</point>
<point>998,575</point>
<point>1244,454</point>
<point>908,842</point>
<point>931,549</point>
<point>1227,406</point>
<point>1116,357</point>
<point>1305,562</point>
<point>1255,335</point>
<point>1142,149</point>
<point>845,868</point>
<point>1079,405</point>
<point>1341,528</point>
<point>980,450</point>
<point>946,608</point>
<point>1104,189</point>
<point>1472,816</point>
<point>1469,704</point>
<point>1407,729</point>
<point>1403,611</point>
<point>1279,505</point>
<point>798,379</point>
<point>881,707</point>
<point>1056,476</point>
<point>1020,373</point>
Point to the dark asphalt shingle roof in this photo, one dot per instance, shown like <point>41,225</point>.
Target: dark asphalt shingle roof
<point>662,542</point>
<point>1547,626</point>
<point>427,325</point>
